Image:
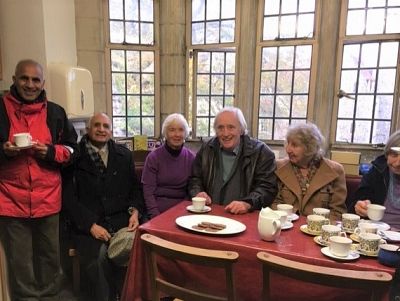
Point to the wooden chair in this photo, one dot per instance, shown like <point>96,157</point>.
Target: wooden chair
<point>197,256</point>
<point>371,281</point>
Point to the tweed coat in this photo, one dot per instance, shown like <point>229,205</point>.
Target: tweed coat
<point>327,189</point>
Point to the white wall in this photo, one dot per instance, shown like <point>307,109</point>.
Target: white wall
<point>43,30</point>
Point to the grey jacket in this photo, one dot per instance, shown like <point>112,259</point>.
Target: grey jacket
<point>254,171</point>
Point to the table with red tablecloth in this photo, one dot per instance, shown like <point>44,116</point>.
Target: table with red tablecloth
<point>292,244</point>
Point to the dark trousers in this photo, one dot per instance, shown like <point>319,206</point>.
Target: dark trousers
<point>106,279</point>
<point>33,256</point>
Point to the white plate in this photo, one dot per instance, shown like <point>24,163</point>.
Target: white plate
<point>381,225</point>
<point>205,209</point>
<point>390,235</point>
<point>293,217</point>
<point>304,229</point>
<point>351,256</point>
<point>287,225</point>
<point>232,226</point>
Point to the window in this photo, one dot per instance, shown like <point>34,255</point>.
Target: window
<point>369,68</point>
<point>212,61</point>
<point>132,55</point>
<point>286,51</point>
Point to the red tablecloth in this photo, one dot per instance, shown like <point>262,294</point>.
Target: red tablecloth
<point>292,244</point>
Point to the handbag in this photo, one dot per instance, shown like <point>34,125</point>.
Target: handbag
<point>120,246</point>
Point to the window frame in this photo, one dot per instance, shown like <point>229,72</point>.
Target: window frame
<point>191,59</point>
<point>359,39</point>
<point>314,42</point>
<point>134,47</point>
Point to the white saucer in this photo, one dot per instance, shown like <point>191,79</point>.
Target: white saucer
<point>22,147</point>
<point>390,235</point>
<point>381,225</point>
<point>287,225</point>
<point>351,256</point>
<point>205,209</point>
<point>293,217</point>
<point>304,229</point>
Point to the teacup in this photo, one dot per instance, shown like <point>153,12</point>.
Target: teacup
<point>22,139</point>
<point>369,243</point>
<point>322,211</point>
<point>389,255</point>
<point>340,246</point>
<point>283,216</point>
<point>330,230</point>
<point>285,207</point>
<point>350,221</point>
<point>375,212</point>
<point>315,223</point>
<point>365,228</point>
<point>198,203</point>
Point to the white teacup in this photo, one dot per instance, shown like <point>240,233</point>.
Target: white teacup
<point>321,211</point>
<point>198,203</point>
<point>283,216</point>
<point>369,243</point>
<point>22,139</point>
<point>350,221</point>
<point>315,222</point>
<point>366,228</point>
<point>330,230</point>
<point>285,207</point>
<point>340,246</point>
<point>375,212</point>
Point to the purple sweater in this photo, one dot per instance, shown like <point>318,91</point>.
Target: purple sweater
<point>165,179</point>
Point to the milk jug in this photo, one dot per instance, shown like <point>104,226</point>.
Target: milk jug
<point>269,225</point>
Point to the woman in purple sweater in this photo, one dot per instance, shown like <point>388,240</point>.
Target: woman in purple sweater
<point>167,168</point>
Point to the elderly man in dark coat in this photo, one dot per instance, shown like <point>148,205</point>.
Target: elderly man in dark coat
<point>107,197</point>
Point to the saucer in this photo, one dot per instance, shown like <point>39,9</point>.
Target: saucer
<point>351,256</point>
<point>381,225</point>
<point>287,225</point>
<point>355,237</point>
<point>23,147</point>
<point>318,240</point>
<point>293,217</point>
<point>390,235</point>
<point>369,254</point>
<point>191,209</point>
<point>304,229</point>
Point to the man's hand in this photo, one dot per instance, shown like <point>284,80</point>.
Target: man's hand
<point>361,207</point>
<point>133,221</point>
<point>99,233</point>
<point>40,150</point>
<point>10,150</point>
<point>204,194</point>
<point>238,207</point>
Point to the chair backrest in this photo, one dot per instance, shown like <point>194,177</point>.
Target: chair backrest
<point>374,282</point>
<point>223,260</point>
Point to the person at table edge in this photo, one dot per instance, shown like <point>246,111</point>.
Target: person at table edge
<point>306,179</point>
<point>232,168</point>
<point>381,185</point>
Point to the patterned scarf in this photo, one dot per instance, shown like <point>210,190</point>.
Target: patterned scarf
<point>304,181</point>
<point>94,155</point>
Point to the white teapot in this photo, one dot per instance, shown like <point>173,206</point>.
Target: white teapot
<point>269,225</point>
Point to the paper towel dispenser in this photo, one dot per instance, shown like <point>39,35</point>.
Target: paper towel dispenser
<point>72,88</point>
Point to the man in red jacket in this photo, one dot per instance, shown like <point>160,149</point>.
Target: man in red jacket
<point>30,183</point>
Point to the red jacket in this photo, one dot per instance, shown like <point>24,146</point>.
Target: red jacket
<point>31,187</point>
